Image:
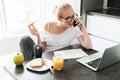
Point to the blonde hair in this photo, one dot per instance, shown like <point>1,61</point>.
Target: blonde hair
<point>59,9</point>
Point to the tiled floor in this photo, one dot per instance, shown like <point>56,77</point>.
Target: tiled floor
<point>3,74</point>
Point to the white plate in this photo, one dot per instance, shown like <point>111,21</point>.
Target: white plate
<point>47,65</point>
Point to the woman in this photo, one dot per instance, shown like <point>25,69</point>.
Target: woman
<point>60,33</point>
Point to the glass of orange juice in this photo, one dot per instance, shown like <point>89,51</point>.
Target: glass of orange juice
<point>58,62</point>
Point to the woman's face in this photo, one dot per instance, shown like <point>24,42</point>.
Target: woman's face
<point>68,17</point>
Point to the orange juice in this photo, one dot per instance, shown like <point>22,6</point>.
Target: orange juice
<point>58,63</point>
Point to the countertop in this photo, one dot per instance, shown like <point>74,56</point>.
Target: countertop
<point>115,13</point>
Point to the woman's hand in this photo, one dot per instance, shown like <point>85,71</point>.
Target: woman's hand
<point>79,23</point>
<point>33,30</point>
<point>84,38</point>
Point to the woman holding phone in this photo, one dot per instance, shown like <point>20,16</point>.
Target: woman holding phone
<point>60,33</point>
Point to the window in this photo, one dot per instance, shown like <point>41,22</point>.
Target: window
<point>17,14</point>
<point>1,20</point>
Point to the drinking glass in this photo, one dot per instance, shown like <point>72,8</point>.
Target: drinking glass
<point>58,63</point>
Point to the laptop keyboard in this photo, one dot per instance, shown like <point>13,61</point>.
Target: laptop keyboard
<point>94,63</point>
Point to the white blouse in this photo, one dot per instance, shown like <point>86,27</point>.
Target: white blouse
<point>57,41</point>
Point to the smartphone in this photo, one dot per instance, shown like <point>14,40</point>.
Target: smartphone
<point>74,23</point>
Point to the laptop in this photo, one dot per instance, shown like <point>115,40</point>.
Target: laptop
<point>99,60</point>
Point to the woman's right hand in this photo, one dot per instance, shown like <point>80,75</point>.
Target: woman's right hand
<point>33,30</point>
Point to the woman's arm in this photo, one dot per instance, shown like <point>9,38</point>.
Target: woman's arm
<point>40,42</point>
<point>84,38</point>
<point>35,32</point>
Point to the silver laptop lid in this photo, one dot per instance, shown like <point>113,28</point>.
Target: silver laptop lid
<point>110,56</point>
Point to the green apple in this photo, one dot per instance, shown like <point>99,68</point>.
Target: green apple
<point>18,59</point>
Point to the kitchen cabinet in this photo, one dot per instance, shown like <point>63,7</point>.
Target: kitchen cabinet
<point>105,27</point>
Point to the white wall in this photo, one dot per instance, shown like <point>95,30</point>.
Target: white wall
<point>11,45</point>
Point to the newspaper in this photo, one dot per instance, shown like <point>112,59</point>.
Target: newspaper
<point>71,53</point>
